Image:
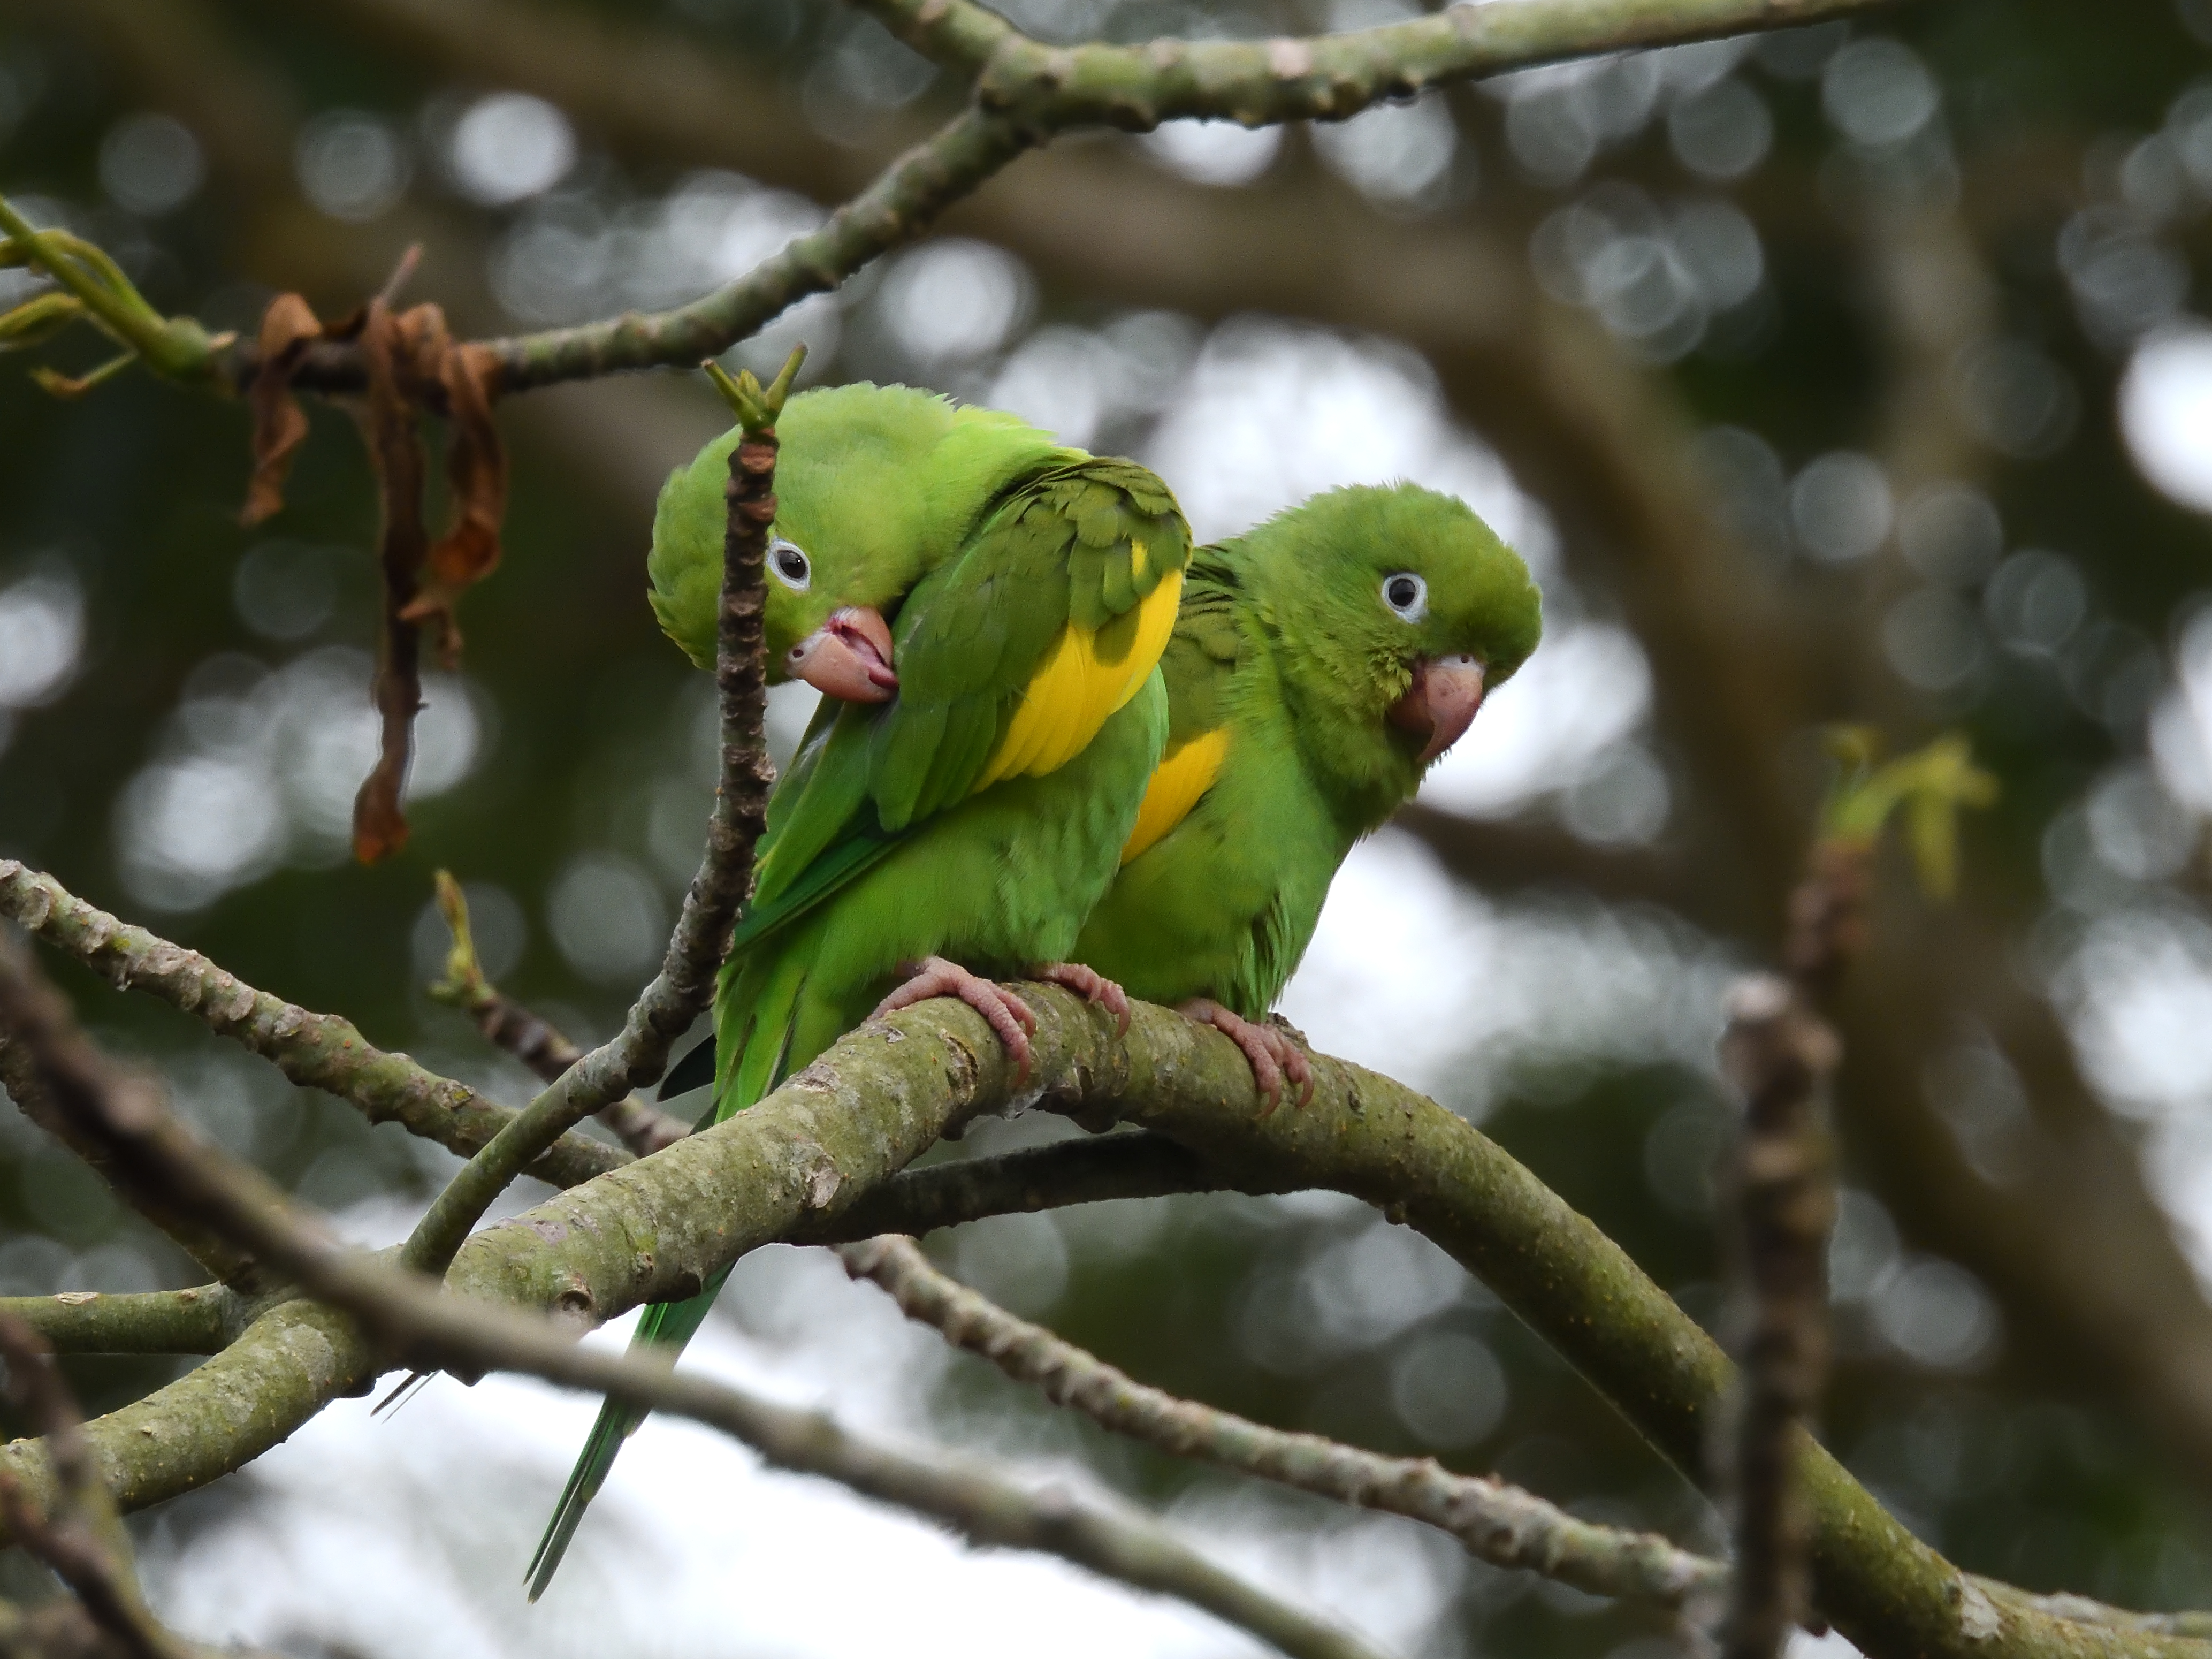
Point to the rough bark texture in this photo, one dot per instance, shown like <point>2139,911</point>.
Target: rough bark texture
<point>320,1051</point>
<point>1496,1522</point>
<point>1779,1057</point>
<point>654,1229</point>
<point>201,1320</point>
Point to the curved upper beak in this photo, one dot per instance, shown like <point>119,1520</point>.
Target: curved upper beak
<point>1440,704</point>
<point>849,657</point>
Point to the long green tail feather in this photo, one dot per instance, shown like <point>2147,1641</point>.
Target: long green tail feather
<point>664,1324</point>
<point>667,1324</point>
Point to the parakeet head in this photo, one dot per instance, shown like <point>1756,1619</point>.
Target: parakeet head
<point>1398,611</point>
<point>875,487</point>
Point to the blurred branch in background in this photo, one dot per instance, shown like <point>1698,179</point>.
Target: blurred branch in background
<point>18,1077</point>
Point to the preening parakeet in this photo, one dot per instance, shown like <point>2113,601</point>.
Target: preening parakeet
<point>1320,663</point>
<point>984,611</point>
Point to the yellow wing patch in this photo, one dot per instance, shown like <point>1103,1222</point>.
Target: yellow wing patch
<point>1070,697</point>
<point>1188,772</point>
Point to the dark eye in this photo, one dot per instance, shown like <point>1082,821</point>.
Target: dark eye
<point>789,562</point>
<point>1407,594</point>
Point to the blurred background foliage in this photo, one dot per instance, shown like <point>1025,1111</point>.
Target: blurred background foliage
<point>1850,373</point>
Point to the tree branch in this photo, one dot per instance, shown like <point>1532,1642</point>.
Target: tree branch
<point>1779,1055</point>
<point>1323,77</point>
<point>897,207</point>
<point>1088,1172</point>
<point>207,1318</point>
<point>320,1051</point>
<point>79,1534</point>
<point>507,1025</point>
<point>201,1320</point>
<point>654,1229</point>
<point>1027,92</point>
<point>410,1318</point>
<point>1495,1523</point>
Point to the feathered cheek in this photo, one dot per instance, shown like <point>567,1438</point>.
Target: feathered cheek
<point>1392,677</point>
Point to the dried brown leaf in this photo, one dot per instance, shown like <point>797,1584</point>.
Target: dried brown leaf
<point>395,448</point>
<point>289,326</point>
<point>475,467</point>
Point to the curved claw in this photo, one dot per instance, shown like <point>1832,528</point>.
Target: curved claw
<point>1007,1013</point>
<point>1268,1049</point>
<point>1091,985</point>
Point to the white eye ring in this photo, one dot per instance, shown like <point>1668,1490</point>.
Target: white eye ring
<point>1407,595</point>
<point>791,567</point>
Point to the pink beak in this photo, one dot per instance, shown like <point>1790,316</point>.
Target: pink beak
<point>1440,704</point>
<point>849,657</point>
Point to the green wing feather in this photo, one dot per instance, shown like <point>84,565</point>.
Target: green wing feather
<point>1058,549</point>
<point>1206,651</point>
<point>968,641</point>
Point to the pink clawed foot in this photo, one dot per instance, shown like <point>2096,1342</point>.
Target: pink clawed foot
<point>1008,1015</point>
<point>1270,1052</point>
<point>1089,984</point>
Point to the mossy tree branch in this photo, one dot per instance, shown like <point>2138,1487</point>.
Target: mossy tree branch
<point>320,1051</point>
<point>200,1320</point>
<point>656,1229</point>
<point>406,1316</point>
<point>1321,77</point>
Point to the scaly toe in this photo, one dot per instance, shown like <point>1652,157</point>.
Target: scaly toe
<point>1006,1014</point>
<point>1255,1042</point>
<point>1091,986</point>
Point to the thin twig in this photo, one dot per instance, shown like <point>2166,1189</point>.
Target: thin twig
<point>507,1024</point>
<point>638,1053</point>
<point>428,1328</point>
<point>320,1051</point>
<point>1495,1523</point>
<point>1779,1057</point>
<point>175,346</point>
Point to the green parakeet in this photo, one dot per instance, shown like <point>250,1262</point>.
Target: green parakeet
<point>985,611</point>
<point>1320,664</point>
